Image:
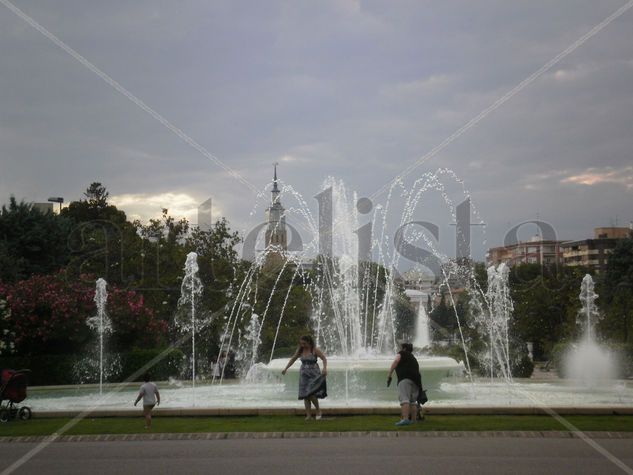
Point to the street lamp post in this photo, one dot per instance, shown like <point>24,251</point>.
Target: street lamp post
<point>57,199</point>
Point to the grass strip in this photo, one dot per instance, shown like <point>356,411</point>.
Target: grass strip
<point>134,425</point>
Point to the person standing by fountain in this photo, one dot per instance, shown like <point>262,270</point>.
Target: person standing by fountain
<point>409,383</point>
<point>151,397</point>
<point>312,384</point>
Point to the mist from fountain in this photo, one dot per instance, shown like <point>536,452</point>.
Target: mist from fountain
<point>188,315</point>
<point>100,324</point>
<point>422,334</point>
<point>248,346</point>
<point>495,321</point>
<point>353,316</point>
<point>588,362</point>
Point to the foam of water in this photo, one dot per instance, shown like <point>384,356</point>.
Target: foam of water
<point>588,362</point>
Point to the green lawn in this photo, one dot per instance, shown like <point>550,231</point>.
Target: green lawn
<point>130,425</point>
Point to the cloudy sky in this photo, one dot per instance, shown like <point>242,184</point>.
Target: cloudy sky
<point>354,89</point>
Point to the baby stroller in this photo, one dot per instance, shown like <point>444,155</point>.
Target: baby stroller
<point>13,386</point>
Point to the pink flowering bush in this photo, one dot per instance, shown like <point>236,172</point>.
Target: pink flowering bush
<point>48,316</point>
<point>134,323</point>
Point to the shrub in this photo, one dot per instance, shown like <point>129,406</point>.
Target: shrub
<point>48,316</point>
<point>45,369</point>
<point>523,368</point>
<point>170,365</point>
<point>60,369</point>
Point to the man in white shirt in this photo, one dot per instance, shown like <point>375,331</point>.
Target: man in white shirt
<point>151,397</point>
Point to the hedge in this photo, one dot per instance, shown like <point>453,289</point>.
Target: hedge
<point>60,369</point>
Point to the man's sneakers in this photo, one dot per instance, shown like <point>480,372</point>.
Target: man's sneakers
<point>404,422</point>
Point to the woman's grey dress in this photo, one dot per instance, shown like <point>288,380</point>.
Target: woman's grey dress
<point>311,381</point>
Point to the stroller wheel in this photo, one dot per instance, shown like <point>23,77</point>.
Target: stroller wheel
<point>5,415</point>
<point>24,413</point>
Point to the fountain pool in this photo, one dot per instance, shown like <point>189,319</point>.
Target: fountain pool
<point>352,383</point>
<point>278,394</point>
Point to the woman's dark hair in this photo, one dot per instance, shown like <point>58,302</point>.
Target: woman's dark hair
<point>309,340</point>
<point>408,347</point>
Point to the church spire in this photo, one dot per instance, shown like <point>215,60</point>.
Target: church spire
<point>275,190</point>
<point>275,177</point>
<point>276,236</point>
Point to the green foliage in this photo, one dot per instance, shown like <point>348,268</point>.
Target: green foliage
<point>295,319</point>
<point>143,265</point>
<point>619,266</point>
<point>616,292</point>
<point>545,304</point>
<point>31,242</point>
<point>443,316</point>
<point>621,352</point>
<point>169,363</point>
<point>520,363</point>
<point>218,261</point>
<point>45,369</point>
<point>49,313</point>
<point>405,316</point>
<point>59,369</point>
<point>523,367</point>
<point>456,351</point>
<point>7,335</point>
<point>102,241</point>
<point>557,357</point>
<point>624,358</point>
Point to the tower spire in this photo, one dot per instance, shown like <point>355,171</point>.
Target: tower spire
<point>276,237</point>
<point>275,189</point>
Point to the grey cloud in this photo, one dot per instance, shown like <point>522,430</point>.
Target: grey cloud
<point>355,89</point>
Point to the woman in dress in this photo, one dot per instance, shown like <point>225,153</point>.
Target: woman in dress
<point>312,385</point>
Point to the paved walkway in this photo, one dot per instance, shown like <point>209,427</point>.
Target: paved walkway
<point>313,435</point>
<point>331,456</point>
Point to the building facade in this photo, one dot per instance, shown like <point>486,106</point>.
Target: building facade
<point>594,253</point>
<point>534,251</point>
<point>43,207</point>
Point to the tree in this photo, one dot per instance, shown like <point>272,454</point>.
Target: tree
<point>443,317</point>
<point>616,292</point>
<point>545,305</point>
<point>291,316</point>
<point>102,241</point>
<point>31,242</point>
<point>97,195</point>
<point>405,316</point>
<point>218,260</point>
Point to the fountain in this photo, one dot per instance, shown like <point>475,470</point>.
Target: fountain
<point>495,321</point>
<point>588,362</point>
<point>249,345</point>
<point>353,320</point>
<point>353,296</point>
<point>100,324</point>
<point>187,317</point>
<point>422,334</point>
